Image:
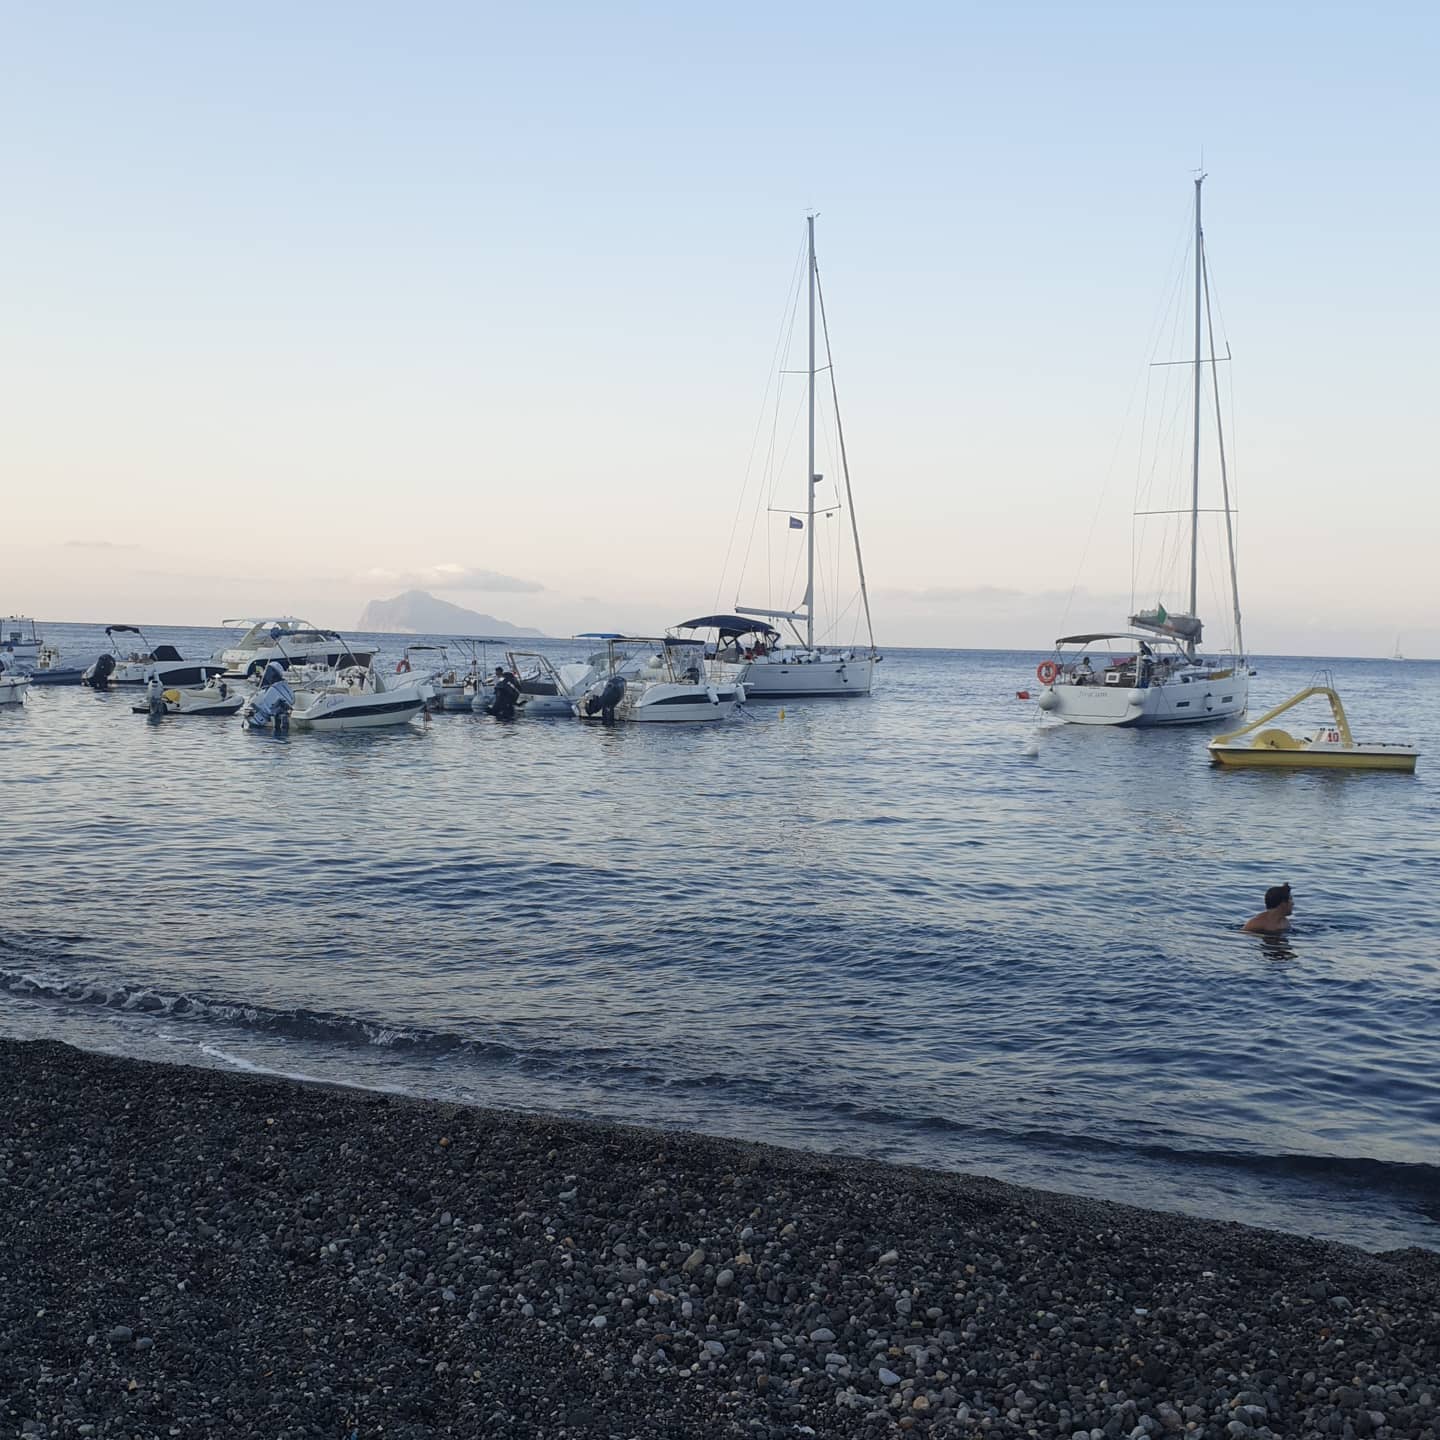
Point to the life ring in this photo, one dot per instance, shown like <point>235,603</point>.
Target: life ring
<point>402,667</point>
<point>1046,672</point>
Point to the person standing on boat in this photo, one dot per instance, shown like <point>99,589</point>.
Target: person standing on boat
<point>1274,919</point>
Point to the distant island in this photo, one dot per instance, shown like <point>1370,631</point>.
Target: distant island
<point>418,613</point>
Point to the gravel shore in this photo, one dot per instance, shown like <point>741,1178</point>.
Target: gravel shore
<point>189,1252</point>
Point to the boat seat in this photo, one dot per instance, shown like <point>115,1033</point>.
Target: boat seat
<point>1276,740</point>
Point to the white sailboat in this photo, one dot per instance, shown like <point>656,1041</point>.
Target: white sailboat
<point>803,668</point>
<point>1153,673</point>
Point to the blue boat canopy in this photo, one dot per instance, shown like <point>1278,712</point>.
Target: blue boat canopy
<point>730,626</point>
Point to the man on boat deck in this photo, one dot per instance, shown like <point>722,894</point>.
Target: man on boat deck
<point>1275,917</point>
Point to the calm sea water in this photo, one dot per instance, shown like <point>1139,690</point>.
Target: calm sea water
<point>872,926</point>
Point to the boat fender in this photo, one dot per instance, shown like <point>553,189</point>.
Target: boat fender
<point>712,694</point>
<point>402,667</point>
<point>1046,672</point>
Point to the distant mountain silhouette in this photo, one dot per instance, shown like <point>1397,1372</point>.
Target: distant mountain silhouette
<point>418,613</point>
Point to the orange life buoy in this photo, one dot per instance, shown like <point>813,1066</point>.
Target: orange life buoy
<point>1046,672</point>
<point>402,667</point>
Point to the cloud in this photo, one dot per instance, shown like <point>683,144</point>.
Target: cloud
<point>447,576</point>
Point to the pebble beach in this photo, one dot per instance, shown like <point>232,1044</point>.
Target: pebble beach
<point>193,1252</point>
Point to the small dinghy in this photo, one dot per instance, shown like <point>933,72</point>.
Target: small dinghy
<point>218,697</point>
<point>1331,747</point>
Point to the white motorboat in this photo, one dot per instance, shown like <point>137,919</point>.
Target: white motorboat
<point>652,680</point>
<point>543,692</point>
<point>13,685</point>
<point>1158,676</point>
<point>431,663</point>
<point>290,639</point>
<point>20,644</point>
<point>135,667</point>
<point>322,698</point>
<point>23,652</point>
<point>218,697</point>
<point>805,668</point>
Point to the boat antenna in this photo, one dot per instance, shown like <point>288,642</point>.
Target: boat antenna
<point>844,459</point>
<point>810,466</point>
<point>1195,454</point>
<point>1224,472</point>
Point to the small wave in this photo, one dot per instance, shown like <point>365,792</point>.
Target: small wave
<point>298,1023</point>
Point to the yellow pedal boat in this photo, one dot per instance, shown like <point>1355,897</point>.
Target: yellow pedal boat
<point>1331,747</point>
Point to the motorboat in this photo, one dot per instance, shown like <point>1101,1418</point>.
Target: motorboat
<point>218,697</point>
<point>1153,673</point>
<point>544,692</point>
<point>23,652</point>
<point>1329,747</point>
<point>456,684</point>
<point>1140,678</point>
<point>324,698</point>
<point>289,639</point>
<point>13,685</point>
<point>136,666</point>
<point>652,680</point>
<point>49,671</point>
<point>19,644</point>
<point>431,663</point>
<point>543,695</point>
<point>804,666</point>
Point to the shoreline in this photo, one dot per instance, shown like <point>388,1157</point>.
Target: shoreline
<point>206,1252</point>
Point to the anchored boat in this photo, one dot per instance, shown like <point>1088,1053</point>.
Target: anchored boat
<point>1331,747</point>
<point>1158,675</point>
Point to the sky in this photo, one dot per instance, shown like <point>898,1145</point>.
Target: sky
<point>307,304</point>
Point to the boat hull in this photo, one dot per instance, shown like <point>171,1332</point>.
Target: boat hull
<point>1202,701</point>
<point>1362,757</point>
<point>371,713</point>
<point>826,677</point>
<point>185,675</point>
<point>663,703</point>
<point>12,692</point>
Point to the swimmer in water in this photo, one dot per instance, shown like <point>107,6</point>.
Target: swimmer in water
<point>1274,919</point>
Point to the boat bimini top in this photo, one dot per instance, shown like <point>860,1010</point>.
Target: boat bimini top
<point>1131,635</point>
<point>730,627</point>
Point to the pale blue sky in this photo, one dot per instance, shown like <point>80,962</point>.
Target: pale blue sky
<point>302,297</point>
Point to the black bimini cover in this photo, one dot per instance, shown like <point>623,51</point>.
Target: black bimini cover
<point>731,627</point>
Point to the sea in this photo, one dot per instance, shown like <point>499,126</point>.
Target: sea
<point>926,927</point>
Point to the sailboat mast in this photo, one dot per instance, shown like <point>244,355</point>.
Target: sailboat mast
<point>810,462</point>
<point>1195,456</point>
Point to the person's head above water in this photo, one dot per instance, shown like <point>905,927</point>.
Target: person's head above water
<point>1278,895</point>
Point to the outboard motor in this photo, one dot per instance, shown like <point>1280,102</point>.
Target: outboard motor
<point>611,694</point>
<point>155,696</point>
<point>97,677</point>
<point>274,673</point>
<point>507,694</point>
<point>272,704</point>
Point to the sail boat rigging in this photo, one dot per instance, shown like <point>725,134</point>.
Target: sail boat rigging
<point>1159,677</point>
<point>780,671</point>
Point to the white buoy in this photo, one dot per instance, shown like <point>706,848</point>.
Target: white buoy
<point>1032,746</point>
